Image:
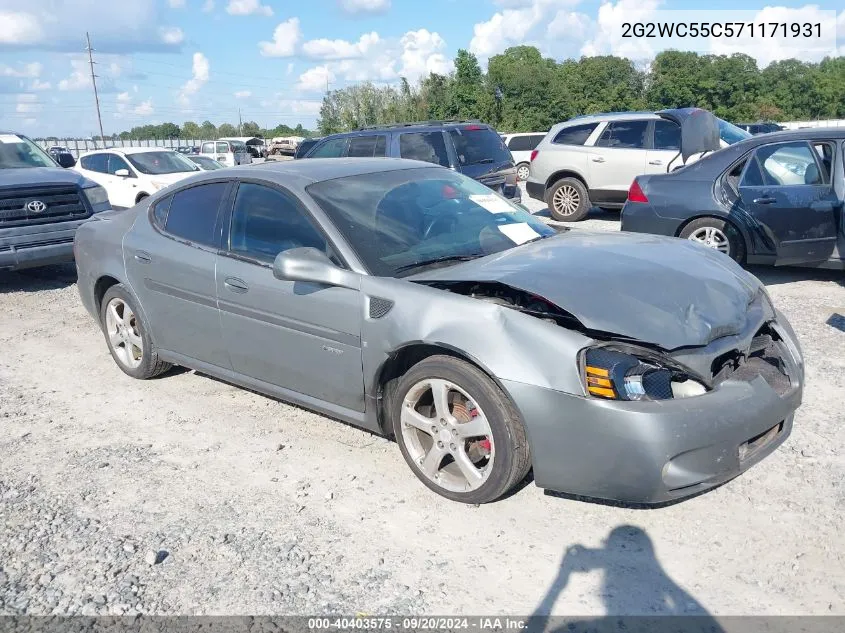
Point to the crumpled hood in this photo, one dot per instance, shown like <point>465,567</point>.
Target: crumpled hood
<point>664,291</point>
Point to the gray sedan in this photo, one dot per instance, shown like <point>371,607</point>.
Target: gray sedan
<point>413,302</point>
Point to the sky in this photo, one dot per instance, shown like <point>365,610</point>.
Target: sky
<point>192,60</point>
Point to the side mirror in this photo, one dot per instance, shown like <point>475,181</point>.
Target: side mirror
<point>309,264</point>
<point>65,160</point>
<point>123,173</point>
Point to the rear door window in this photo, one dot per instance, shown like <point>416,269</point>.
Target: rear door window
<point>667,135</point>
<point>789,164</point>
<point>208,148</point>
<point>222,148</point>
<point>478,145</point>
<point>575,134</point>
<point>426,146</point>
<point>193,213</point>
<point>332,148</point>
<point>365,146</point>
<point>624,135</point>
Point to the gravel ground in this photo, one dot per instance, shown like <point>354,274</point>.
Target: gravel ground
<point>187,495</point>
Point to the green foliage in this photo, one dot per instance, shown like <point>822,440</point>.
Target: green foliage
<point>207,130</point>
<point>538,92</point>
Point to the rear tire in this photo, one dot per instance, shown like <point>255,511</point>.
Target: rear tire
<point>472,447</point>
<point>127,337</point>
<point>522,172</point>
<point>569,200</point>
<point>717,234</point>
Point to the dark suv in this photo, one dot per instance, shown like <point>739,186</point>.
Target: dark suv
<point>472,148</point>
<point>41,205</point>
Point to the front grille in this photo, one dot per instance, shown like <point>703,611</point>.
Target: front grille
<point>62,203</point>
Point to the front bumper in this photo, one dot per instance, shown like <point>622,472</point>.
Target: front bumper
<point>37,245</point>
<point>652,452</point>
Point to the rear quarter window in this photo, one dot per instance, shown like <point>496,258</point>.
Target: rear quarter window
<point>525,143</point>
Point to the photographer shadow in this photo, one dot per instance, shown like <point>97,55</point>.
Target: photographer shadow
<point>637,593</point>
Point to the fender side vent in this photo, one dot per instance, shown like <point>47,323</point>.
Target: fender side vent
<point>379,307</point>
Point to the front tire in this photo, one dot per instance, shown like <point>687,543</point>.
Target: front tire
<point>459,433</point>
<point>569,200</point>
<point>717,234</point>
<point>127,337</point>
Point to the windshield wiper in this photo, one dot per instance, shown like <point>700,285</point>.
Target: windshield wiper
<point>482,161</point>
<point>437,260</point>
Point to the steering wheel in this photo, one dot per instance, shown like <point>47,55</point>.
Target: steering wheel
<point>447,222</point>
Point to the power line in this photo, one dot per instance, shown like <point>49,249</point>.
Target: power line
<point>94,81</point>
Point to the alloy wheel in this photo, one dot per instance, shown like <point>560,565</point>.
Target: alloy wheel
<point>447,435</point>
<point>523,172</point>
<point>123,333</point>
<point>566,200</point>
<point>712,237</point>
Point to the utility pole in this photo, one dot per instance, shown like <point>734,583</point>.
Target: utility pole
<point>240,121</point>
<point>94,81</point>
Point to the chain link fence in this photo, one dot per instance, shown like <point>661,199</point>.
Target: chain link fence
<point>79,146</point>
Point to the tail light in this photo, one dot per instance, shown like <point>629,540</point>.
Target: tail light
<point>534,153</point>
<point>635,193</point>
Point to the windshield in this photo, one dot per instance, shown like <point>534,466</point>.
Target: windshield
<point>164,162</point>
<point>400,221</point>
<point>18,151</point>
<point>205,162</point>
<point>476,145</point>
<point>730,133</point>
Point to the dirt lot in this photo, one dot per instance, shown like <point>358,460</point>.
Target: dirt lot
<point>188,495</point>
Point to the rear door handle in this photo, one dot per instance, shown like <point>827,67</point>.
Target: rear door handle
<point>764,200</point>
<point>236,285</point>
<point>143,256</point>
<point>598,159</point>
<point>655,162</point>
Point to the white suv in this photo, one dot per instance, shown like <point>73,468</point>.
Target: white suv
<point>521,145</point>
<point>592,160</point>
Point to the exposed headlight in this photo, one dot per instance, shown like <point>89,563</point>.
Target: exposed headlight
<point>96,196</point>
<point>615,375</point>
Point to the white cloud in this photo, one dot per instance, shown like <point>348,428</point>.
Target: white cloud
<point>248,7</point>
<point>26,70</point>
<point>60,25</point>
<point>80,77</point>
<point>208,7</point>
<point>171,35</point>
<point>364,6</point>
<point>286,37</point>
<point>243,94</point>
<point>199,70</point>
<point>37,84</point>
<point>421,56</point>
<point>176,4</point>
<point>19,28</point>
<point>27,103</point>
<point>290,68</point>
<point>340,49</point>
<point>145,108</point>
<point>315,79</point>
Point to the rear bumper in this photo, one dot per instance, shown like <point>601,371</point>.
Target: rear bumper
<point>39,245</point>
<point>652,452</point>
<point>536,190</point>
<point>638,217</point>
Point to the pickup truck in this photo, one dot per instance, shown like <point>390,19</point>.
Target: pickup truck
<point>41,205</point>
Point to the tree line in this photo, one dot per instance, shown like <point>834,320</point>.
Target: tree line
<point>522,91</point>
<point>207,130</point>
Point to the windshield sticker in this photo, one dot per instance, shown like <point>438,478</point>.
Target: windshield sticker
<point>492,203</point>
<point>520,232</point>
<point>10,138</point>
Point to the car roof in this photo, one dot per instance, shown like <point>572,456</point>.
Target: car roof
<point>129,150</point>
<point>613,116</point>
<point>419,126</point>
<point>319,169</point>
<point>512,134</point>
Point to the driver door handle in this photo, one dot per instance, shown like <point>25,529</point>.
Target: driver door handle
<point>236,285</point>
<point>764,200</point>
<point>143,257</point>
<point>598,159</point>
<point>655,162</point>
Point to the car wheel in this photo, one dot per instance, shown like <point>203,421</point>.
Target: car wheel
<point>127,336</point>
<point>141,197</point>
<point>522,172</point>
<point>718,234</point>
<point>569,200</point>
<point>459,433</point>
